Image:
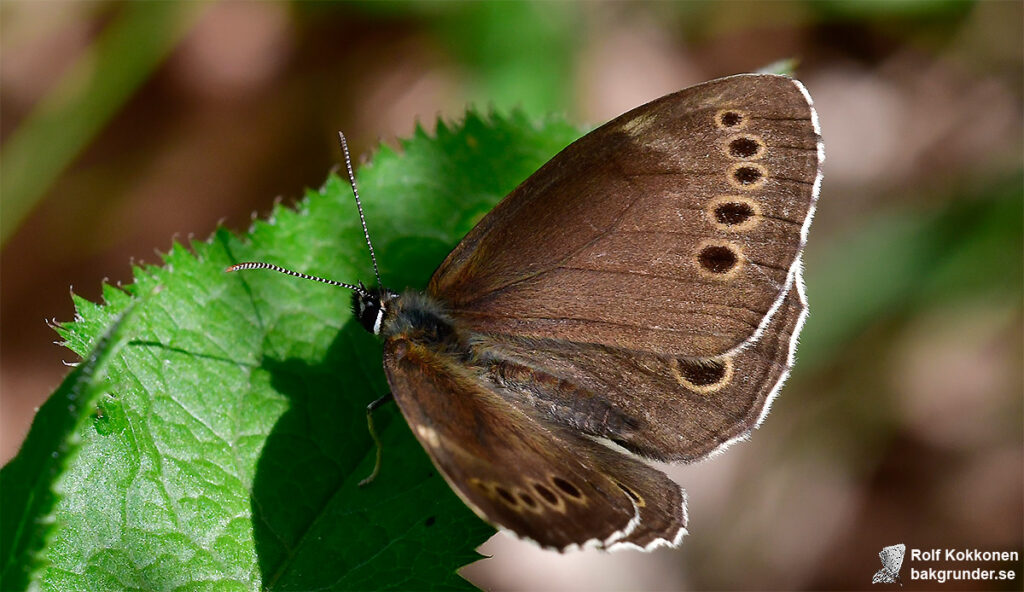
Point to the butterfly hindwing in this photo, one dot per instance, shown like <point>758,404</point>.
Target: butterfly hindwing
<point>661,407</point>
<point>542,482</point>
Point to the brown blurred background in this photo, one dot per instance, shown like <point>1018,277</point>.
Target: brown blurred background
<point>126,125</point>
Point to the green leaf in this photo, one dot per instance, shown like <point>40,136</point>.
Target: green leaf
<point>27,483</point>
<point>228,452</point>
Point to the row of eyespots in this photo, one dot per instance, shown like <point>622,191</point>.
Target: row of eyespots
<point>722,259</point>
<point>745,147</point>
<point>518,499</point>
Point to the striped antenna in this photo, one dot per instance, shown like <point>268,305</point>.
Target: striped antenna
<point>260,265</point>
<point>359,289</point>
<point>359,204</point>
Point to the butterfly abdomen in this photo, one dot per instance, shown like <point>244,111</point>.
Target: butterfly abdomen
<point>563,401</point>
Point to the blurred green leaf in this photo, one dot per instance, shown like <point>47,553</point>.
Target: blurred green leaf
<point>783,67</point>
<point>92,90</point>
<point>894,8</point>
<point>513,54</point>
<point>905,260</point>
<point>228,453</point>
<point>520,54</point>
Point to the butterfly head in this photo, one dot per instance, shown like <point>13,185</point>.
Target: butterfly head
<point>371,305</point>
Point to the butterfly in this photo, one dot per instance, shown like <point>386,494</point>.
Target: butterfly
<point>638,298</point>
<point>892,562</point>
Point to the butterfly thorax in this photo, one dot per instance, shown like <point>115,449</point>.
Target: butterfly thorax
<point>411,315</point>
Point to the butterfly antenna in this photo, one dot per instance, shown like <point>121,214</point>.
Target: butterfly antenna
<point>260,265</point>
<point>359,204</point>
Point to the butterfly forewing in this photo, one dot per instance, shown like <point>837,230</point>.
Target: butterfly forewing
<point>674,228</point>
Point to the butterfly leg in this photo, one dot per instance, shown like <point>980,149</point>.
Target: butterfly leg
<point>373,434</point>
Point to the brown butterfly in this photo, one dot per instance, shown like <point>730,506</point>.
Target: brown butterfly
<point>638,297</point>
